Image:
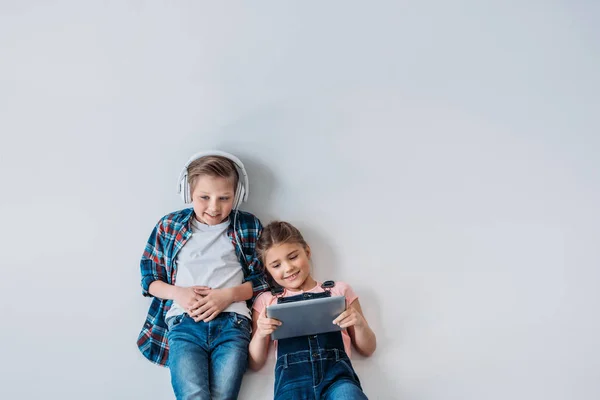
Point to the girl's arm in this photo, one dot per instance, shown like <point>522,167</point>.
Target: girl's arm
<point>361,334</point>
<point>262,327</point>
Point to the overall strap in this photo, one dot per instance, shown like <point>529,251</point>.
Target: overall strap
<point>277,291</point>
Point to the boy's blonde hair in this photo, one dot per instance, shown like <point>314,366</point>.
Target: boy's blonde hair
<point>215,166</point>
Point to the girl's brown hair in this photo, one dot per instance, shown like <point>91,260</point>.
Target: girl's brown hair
<point>276,233</point>
<point>215,166</point>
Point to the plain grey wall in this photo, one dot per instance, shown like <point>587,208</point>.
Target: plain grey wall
<point>440,156</point>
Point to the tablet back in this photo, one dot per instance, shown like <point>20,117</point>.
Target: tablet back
<point>306,317</point>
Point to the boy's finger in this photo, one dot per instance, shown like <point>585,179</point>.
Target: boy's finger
<point>205,315</point>
<point>199,303</point>
<point>212,316</point>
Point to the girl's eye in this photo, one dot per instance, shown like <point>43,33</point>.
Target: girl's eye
<point>224,198</point>
<point>204,197</point>
<point>294,256</point>
<point>275,266</point>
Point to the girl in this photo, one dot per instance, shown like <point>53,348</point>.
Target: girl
<point>315,366</point>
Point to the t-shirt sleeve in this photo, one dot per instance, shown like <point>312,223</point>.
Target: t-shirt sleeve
<point>343,289</point>
<point>261,302</point>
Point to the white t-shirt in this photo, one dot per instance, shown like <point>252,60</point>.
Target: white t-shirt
<point>208,259</point>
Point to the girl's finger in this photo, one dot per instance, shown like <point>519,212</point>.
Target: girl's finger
<point>340,317</point>
<point>272,321</point>
<point>268,326</point>
<point>347,322</point>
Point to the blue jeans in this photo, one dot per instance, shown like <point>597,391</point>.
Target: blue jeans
<point>315,367</point>
<point>321,374</point>
<point>208,359</point>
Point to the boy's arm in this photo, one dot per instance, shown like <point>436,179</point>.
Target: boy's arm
<point>154,274</point>
<point>255,274</point>
<point>152,265</point>
<point>256,279</point>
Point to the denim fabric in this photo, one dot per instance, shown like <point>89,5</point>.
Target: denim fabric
<point>208,359</point>
<point>315,367</point>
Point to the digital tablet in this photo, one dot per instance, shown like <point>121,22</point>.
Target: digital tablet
<point>307,317</point>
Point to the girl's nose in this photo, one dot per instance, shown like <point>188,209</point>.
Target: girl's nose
<point>287,267</point>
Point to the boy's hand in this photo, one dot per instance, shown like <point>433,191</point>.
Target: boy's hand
<point>350,317</point>
<point>265,325</point>
<point>187,297</point>
<point>211,304</point>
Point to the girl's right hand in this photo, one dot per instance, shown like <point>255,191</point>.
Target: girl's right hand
<point>265,325</point>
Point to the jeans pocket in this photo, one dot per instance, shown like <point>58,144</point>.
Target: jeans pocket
<point>241,322</point>
<point>173,321</point>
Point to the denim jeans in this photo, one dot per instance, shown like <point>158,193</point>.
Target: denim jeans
<point>208,359</point>
<point>315,367</point>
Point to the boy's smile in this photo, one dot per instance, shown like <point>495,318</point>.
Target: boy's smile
<point>212,199</point>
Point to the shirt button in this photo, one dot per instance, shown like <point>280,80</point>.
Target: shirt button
<point>315,355</point>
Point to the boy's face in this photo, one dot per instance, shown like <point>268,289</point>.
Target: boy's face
<point>212,199</point>
<point>289,265</point>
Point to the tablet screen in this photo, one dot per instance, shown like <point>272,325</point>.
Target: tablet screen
<point>307,317</point>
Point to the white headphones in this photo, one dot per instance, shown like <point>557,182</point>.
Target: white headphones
<point>241,192</point>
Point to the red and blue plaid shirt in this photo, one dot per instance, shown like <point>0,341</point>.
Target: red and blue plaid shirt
<point>158,263</point>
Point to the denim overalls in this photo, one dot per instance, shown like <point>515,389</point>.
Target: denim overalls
<point>315,366</point>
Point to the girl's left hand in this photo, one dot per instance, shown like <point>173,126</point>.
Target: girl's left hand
<point>350,317</point>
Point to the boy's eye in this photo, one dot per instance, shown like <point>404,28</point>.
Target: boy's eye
<point>224,198</point>
<point>204,197</point>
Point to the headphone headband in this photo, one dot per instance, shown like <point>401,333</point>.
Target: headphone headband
<point>242,190</point>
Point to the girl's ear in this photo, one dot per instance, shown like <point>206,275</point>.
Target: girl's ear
<point>307,250</point>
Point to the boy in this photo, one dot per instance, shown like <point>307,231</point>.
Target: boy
<point>200,266</point>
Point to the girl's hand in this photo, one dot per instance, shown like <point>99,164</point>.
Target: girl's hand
<point>187,297</point>
<point>350,317</point>
<point>265,325</point>
<point>212,302</point>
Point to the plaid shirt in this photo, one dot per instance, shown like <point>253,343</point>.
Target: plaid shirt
<point>158,263</point>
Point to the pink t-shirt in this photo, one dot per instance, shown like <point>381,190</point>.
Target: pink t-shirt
<point>340,289</point>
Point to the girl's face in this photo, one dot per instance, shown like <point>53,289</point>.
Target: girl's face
<point>289,265</point>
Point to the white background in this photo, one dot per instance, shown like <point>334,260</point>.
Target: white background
<point>440,156</point>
